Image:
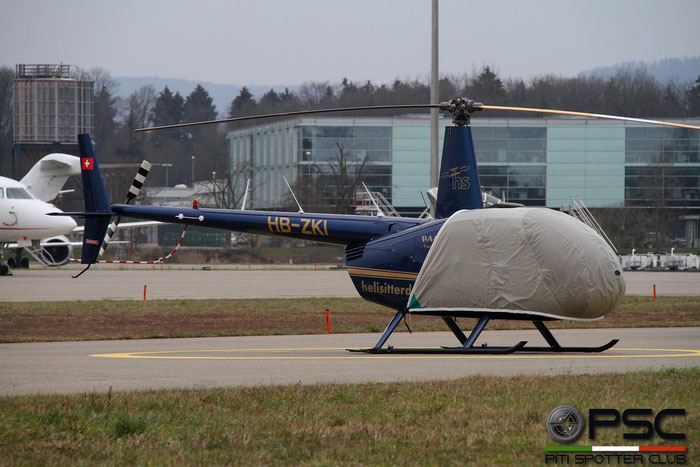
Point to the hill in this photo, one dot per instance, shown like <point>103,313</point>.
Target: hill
<point>683,70</point>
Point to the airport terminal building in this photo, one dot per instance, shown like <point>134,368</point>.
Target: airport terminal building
<point>538,162</point>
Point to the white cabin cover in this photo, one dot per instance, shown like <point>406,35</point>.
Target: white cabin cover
<point>525,260</point>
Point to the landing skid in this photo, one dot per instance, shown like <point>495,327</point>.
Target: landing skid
<point>601,348</point>
<point>468,348</point>
<point>445,350</point>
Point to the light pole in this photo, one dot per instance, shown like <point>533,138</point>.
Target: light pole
<point>213,188</point>
<point>434,99</point>
<point>192,171</point>
<point>167,166</point>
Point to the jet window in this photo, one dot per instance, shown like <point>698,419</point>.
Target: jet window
<point>18,193</point>
<point>2,193</point>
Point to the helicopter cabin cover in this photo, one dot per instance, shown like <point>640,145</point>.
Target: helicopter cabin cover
<point>518,262</point>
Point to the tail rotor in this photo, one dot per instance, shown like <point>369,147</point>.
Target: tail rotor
<point>133,192</point>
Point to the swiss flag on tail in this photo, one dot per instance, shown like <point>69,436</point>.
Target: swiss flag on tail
<point>88,163</point>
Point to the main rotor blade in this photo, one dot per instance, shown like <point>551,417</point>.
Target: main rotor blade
<point>290,114</point>
<point>586,114</point>
<point>442,106</point>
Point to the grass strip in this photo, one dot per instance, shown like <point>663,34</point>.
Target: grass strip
<point>477,420</point>
<point>128,319</point>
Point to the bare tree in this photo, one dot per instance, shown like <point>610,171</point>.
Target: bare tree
<point>102,79</point>
<point>228,189</point>
<point>139,106</point>
<point>317,94</point>
<point>339,178</point>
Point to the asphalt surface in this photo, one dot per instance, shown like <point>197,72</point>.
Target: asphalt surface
<point>69,367</point>
<point>128,284</point>
<point>169,283</point>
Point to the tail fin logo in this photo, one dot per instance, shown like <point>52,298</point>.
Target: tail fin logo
<point>458,183</point>
<point>88,163</point>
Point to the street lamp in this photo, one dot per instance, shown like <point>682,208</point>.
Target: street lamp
<point>167,166</point>
<point>213,188</point>
<point>192,171</point>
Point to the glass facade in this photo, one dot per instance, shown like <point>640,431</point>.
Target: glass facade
<point>510,144</point>
<point>662,167</point>
<point>536,162</point>
<point>512,162</point>
<point>322,150</point>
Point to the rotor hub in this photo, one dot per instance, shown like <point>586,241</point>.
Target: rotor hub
<point>461,109</point>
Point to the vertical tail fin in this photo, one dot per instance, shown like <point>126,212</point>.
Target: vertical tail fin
<point>459,186</point>
<point>96,201</point>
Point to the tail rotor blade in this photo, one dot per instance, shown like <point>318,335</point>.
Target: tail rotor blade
<point>111,230</point>
<point>138,182</point>
<point>133,192</point>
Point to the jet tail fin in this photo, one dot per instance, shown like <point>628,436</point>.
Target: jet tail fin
<point>46,178</point>
<point>459,186</point>
<point>96,201</point>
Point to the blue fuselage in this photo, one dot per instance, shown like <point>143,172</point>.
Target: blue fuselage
<point>383,254</point>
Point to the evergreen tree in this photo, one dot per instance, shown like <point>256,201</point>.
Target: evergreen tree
<point>693,99</point>
<point>242,104</point>
<point>488,87</point>
<point>348,95</point>
<point>207,143</point>
<point>287,96</point>
<point>270,101</point>
<point>169,108</point>
<point>105,106</point>
<point>199,106</point>
<point>288,101</point>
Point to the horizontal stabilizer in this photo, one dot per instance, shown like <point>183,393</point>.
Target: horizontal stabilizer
<point>80,214</point>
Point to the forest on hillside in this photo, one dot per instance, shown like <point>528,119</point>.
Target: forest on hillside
<point>630,92</point>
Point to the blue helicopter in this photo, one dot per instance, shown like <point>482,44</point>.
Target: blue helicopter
<point>531,264</point>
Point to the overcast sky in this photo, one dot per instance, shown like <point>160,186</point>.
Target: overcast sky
<point>291,41</point>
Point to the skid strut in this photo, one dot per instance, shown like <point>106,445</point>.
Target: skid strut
<point>468,348</point>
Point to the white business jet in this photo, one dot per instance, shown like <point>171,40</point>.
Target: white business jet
<point>23,209</point>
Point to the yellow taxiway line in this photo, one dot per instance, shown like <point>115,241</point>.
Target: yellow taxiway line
<point>169,355</point>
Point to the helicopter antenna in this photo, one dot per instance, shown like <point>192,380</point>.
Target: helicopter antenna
<point>379,211</point>
<point>245,195</point>
<point>301,211</point>
<point>424,202</point>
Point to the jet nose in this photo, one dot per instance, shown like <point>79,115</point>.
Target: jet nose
<point>69,223</point>
<point>57,225</point>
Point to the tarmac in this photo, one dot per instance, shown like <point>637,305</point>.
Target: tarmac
<point>196,282</point>
<point>71,367</point>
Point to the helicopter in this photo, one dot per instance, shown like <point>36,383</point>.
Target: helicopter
<point>517,263</point>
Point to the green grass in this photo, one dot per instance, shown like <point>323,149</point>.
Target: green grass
<point>477,420</point>
<point>128,319</point>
